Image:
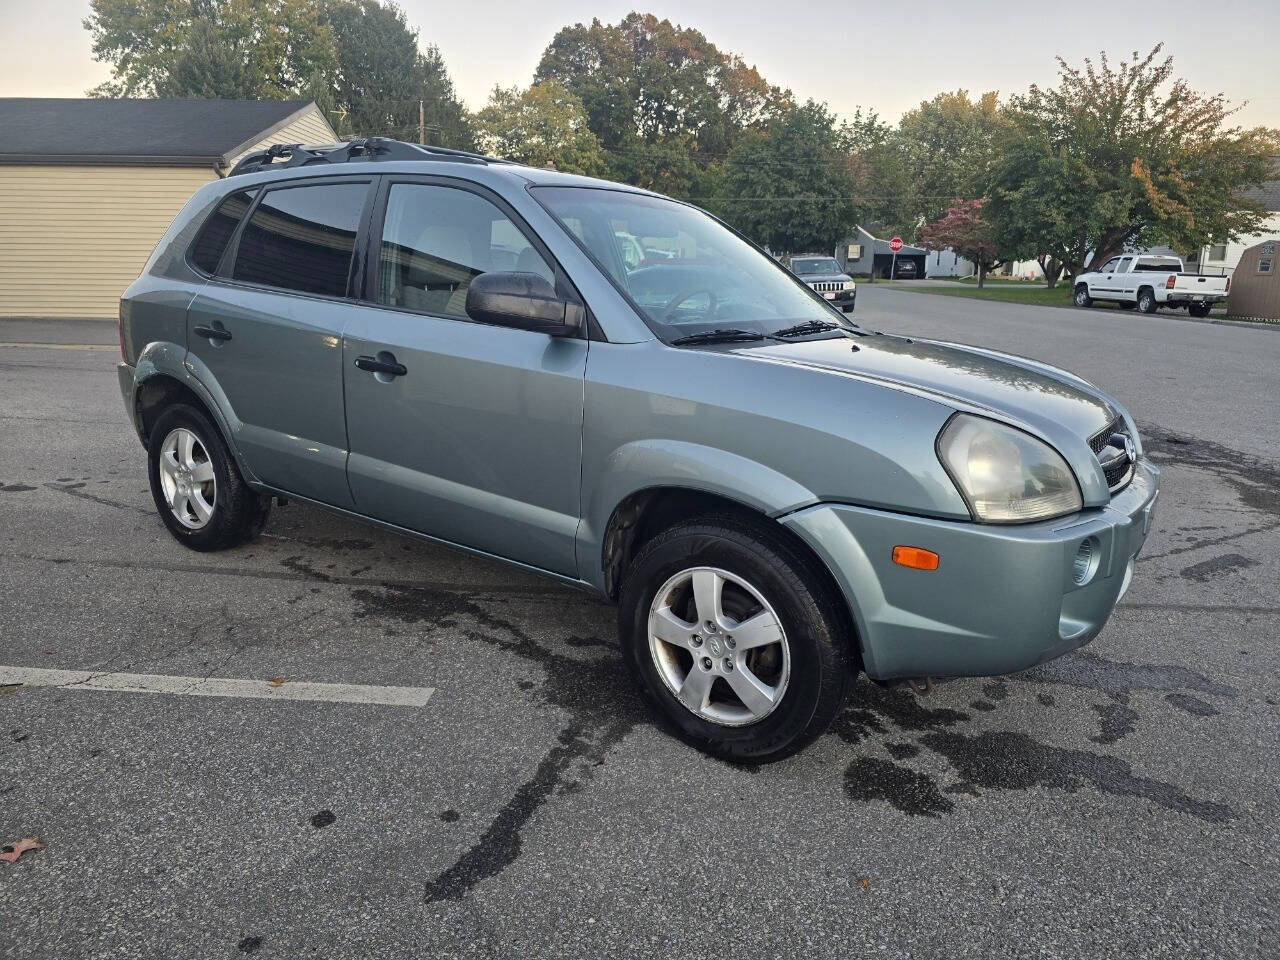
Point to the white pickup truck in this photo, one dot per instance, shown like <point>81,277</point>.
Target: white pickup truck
<point>1149,283</point>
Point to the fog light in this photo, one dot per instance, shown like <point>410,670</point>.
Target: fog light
<point>1085,564</point>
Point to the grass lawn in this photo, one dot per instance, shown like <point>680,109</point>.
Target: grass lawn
<point>1010,291</point>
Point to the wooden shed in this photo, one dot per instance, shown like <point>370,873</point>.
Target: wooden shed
<point>1255,284</point>
<point>88,186</point>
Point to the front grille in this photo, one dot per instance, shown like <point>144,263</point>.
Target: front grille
<point>1109,446</point>
<point>823,286</point>
<point>1098,442</point>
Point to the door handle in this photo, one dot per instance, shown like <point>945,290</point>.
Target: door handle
<point>211,333</point>
<point>378,365</point>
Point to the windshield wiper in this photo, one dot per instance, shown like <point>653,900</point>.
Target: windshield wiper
<point>809,326</point>
<point>725,335</point>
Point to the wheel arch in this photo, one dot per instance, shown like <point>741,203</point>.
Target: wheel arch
<point>158,385</point>
<point>645,513</point>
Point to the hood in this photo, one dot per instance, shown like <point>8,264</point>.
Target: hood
<point>1037,396</point>
<point>822,277</point>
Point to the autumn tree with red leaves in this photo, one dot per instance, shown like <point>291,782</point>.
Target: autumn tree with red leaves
<point>964,229</point>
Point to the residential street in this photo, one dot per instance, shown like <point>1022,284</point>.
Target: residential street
<point>1121,801</point>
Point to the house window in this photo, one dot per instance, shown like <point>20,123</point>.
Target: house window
<point>1264,264</point>
<point>1218,251</point>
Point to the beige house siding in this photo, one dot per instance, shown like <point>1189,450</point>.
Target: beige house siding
<point>310,128</point>
<point>73,237</point>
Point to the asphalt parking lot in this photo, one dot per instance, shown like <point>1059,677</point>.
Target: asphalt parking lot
<point>522,801</point>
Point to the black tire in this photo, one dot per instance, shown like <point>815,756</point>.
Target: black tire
<point>847,309</point>
<point>797,590</point>
<point>1147,301</point>
<point>1198,310</point>
<point>1081,296</point>
<point>1126,304</point>
<point>239,513</point>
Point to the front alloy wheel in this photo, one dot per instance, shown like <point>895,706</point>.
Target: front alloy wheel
<point>1082,298</point>
<point>737,635</point>
<point>718,646</point>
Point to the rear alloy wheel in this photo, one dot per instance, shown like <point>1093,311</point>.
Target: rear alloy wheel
<point>1147,301</point>
<point>197,488</point>
<point>1081,297</point>
<point>735,636</point>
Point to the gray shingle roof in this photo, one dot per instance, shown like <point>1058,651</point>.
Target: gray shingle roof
<point>1267,194</point>
<point>177,132</point>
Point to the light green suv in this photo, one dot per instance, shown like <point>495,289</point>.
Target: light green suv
<point>469,350</point>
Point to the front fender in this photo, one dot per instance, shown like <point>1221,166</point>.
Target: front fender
<point>661,463</point>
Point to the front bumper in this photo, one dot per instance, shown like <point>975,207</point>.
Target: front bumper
<point>1003,598</point>
<point>841,298</point>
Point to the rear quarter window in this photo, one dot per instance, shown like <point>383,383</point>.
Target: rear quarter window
<point>206,253</point>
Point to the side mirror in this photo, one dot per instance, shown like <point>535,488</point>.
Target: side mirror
<point>525,301</point>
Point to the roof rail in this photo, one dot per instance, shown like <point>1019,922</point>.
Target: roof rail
<point>286,155</point>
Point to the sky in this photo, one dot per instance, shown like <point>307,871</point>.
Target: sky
<point>883,56</point>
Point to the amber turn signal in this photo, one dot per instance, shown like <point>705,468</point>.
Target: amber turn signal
<point>917,558</point>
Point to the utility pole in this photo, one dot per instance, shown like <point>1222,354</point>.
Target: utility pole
<point>422,124</point>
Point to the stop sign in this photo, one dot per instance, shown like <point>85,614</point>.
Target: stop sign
<point>895,244</point>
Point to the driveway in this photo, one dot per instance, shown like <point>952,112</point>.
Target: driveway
<point>340,742</point>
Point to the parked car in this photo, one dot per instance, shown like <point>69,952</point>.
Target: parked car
<point>774,496</point>
<point>1149,283</point>
<point>902,270</point>
<point>824,276</point>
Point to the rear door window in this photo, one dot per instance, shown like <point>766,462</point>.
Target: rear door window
<point>302,238</point>
<point>207,251</point>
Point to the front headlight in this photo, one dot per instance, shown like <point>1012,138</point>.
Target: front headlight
<point>1005,475</point>
<point>848,284</point>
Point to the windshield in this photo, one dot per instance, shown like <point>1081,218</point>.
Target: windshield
<point>685,272</point>
<point>823,266</point>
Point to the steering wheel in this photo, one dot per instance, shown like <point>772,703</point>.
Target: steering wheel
<point>684,295</point>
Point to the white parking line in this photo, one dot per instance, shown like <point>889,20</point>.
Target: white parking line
<point>216,687</point>
<point>89,347</point>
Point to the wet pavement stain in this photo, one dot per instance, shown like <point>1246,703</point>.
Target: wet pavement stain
<point>1255,481</point>
<point>1014,761</point>
<point>323,819</point>
<point>1192,705</point>
<point>869,778</point>
<point>1217,567</point>
<point>1088,671</point>
<point>599,696</point>
<point>1115,720</point>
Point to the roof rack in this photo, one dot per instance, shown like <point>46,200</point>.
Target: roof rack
<point>284,155</point>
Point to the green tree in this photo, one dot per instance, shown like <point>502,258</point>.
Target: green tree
<point>1123,156</point>
<point>664,102</point>
<point>792,187</point>
<point>543,126</point>
<point>381,75</point>
<point>964,229</point>
<point>947,149</point>
<point>179,48</point>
